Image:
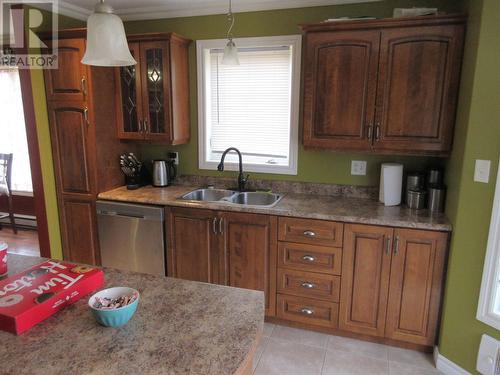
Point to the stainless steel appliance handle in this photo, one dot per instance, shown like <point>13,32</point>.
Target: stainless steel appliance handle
<point>308,285</point>
<point>307,311</point>
<point>308,258</point>
<point>309,233</point>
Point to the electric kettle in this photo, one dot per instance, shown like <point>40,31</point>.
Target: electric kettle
<point>164,172</point>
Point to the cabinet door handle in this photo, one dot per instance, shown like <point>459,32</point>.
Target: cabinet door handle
<point>139,126</point>
<point>377,132</point>
<point>83,83</point>
<point>307,311</point>
<point>396,246</point>
<point>221,226</point>
<point>309,233</point>
<point>308,258</point>
<point>146,130</point>
<point>86,115</point>
<point>308,285</point>
<point>214,225</point>
<point>369,132</point>
<point>388,246</point>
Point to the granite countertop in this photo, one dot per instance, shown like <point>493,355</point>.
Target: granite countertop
<point>325,207</point>
<point>180,327</point>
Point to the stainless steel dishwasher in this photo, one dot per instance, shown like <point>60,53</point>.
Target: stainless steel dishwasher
<point>131,237</point>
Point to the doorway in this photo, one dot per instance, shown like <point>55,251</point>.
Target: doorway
<point>23,223</point>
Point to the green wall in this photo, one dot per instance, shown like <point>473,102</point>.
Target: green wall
<point>313,165</point>
<point>470,203</point>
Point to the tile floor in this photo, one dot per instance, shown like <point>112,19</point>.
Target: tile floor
<point>292,351</point>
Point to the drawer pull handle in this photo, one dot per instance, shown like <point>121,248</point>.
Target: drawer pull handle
<point>308,258</point>
<point>307,311</point>
<point>308,285</point>
<point>309,233</point>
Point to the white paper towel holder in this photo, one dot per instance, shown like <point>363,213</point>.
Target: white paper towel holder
<point>391,184</point>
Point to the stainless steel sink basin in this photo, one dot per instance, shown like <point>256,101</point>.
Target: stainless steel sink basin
<point>208,195</point>
<point>261,199</point>
<point>255,199</point>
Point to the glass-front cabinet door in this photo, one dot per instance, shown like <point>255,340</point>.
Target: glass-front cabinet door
<point>156,89</point>
<point>130,111</point>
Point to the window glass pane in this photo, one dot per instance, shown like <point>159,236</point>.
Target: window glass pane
<point>250,105</point>
<point>13,129</point>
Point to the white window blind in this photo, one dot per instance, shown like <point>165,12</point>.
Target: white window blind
<point>251,106</point>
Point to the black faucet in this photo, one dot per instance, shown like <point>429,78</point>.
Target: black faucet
<point>241,179</point>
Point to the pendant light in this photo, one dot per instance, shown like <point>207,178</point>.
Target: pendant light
<point>106,40</point>
<point>230,56</point>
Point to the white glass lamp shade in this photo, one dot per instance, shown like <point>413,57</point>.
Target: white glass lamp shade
<point>230,56</point>
<point>106,42</point>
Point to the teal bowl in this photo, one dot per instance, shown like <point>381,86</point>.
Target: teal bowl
<point>114,317</point>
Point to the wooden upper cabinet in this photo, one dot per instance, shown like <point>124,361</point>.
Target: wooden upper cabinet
<point>72,144</point>
<point>386,86</point>
<point>366,264</point>
<point>69,81</point>
<point>250,254</point>
<point>339,88</point>
<point>418,82</point>
<point>192,252</point>
<point>153,96</point>
<point>129,98</point>
<point>417,272</point>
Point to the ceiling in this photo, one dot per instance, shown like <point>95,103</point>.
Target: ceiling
<point>155,9</point>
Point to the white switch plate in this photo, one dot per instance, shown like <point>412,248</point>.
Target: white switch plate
<point>482,171</point>
<point>487,355</point>
<point>358,167</point>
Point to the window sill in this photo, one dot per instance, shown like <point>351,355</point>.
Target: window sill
<point>255,168</point>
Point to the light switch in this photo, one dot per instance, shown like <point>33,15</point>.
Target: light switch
<point>358,167</point>
<point>482,171</point>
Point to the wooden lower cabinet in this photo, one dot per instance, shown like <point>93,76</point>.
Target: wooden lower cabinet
<point>226,248</point>
<point>391,282</point>
<point>193,252</point>
<point>417,271</point>
<point>308,311</point>
<point>366,266</point>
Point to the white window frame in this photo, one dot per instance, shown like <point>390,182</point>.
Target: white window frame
<point>485,310</point>
<point>295,41</point>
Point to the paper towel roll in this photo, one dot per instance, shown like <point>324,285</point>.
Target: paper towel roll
<point>391,184</point>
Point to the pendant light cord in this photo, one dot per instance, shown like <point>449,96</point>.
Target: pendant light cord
<point>230,18</point>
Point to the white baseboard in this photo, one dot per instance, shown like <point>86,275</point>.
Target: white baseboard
<point>446,366</point>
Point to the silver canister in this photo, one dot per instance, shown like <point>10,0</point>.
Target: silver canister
<point>435,177</point>
<point>436,198</point>
<point>415,199</point>
<point>415,181</point>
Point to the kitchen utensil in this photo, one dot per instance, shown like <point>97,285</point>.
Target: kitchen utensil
<point>436,198</point>
<point>415,199</point>
<point>114,317</point>
<point>164,172</point>
<point>391,183</point>
<point>132,169</point>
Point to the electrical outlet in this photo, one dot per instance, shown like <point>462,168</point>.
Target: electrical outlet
<point>358,167</point>
<point>174,155</point>
<point>482,171</point>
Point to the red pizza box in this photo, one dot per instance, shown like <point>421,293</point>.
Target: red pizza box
<point>33,295</point>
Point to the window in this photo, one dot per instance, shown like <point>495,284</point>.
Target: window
<point>253,106</point>
<point>13,129</point>
<point>489,299</point>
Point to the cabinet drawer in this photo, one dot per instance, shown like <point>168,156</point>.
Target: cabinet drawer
<point>309,311</point>
<point>309,284</point>
<point>304,257</point>
<point>316,232</point>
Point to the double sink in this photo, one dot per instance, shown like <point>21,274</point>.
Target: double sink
<point>257,198</point>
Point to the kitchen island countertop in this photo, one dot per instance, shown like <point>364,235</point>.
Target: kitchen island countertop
<point>180,327</point>
<point>311,206</point>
